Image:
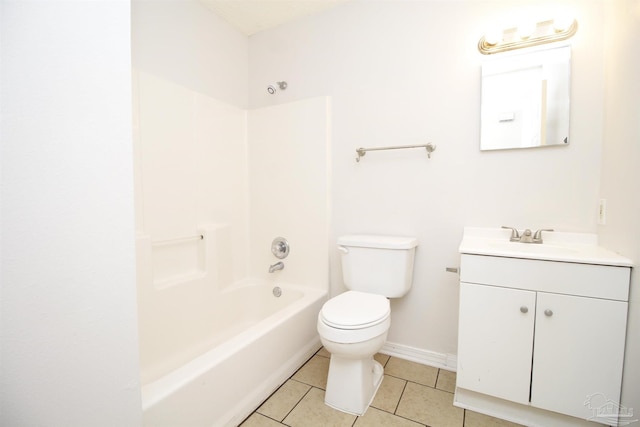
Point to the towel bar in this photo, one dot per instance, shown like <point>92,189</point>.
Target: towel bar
<point>429,147</point>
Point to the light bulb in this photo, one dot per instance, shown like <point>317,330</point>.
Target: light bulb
<point>562,23</point>
<point>493,37</point>
<point>526,29</point>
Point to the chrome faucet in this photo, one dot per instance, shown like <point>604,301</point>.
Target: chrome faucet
<point>275,267</point>
<point>526,236</point>
<point>537,237</point>
<point>515,236</point>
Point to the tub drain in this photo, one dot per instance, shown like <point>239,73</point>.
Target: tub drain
<point>277,291</point>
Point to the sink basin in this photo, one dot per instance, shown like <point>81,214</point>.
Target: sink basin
<point>557,246</point>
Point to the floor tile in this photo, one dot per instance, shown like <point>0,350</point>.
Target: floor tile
<point>376,418</point>
<point>311,411</point>
<point>446,381</point>
<point>389,393</point>
<point>474,419</point>
<point>411,371</point>
<point>323,352</point>
<point>382,358</point>
<point>257,420</point>
<point>314,372</point>
<point>284,400</point>
<point>429,406</point>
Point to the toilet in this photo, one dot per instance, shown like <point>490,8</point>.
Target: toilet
<point>353,326</point>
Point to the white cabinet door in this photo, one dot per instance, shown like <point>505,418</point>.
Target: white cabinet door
<point>495,340</point>
<point>578,353</point>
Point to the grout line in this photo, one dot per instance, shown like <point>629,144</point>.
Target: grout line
<point>311,385</point>
<point>402,416</point>
<point>258,414</point>
<point>412,420</point>
<point>387,362</point>
<point>415,382</point>
<point>316,353</point>
<point>267,416</point>
<point>297,403</point>
<point>393,413</point>
<point>265,400</point>
<point>400,398</point>
<point>300,382</point>
<point>303,365</point>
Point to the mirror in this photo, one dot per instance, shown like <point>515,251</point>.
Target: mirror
<point>525,100</point>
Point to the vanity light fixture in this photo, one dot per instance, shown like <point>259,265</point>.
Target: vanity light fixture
<point>519,37</point>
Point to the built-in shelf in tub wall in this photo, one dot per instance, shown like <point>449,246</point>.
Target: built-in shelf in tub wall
<point>178,259</point>
<point>183,259</point>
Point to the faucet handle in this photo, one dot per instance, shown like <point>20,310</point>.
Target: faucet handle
<point>515,236</point>
<point>537,237</point>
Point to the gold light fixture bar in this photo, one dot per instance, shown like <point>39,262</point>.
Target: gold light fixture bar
<point>511,39</point>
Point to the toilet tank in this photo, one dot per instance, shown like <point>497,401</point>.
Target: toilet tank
<point>378,264</point>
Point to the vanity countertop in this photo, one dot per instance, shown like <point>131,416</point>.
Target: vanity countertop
<point>558,246</point>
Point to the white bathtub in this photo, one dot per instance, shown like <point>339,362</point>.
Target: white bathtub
<point>215,376</point>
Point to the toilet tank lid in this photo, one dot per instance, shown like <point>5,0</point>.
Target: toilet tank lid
<point>377,241</point>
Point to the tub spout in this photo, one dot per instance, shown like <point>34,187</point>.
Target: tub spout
<point>275,267</point>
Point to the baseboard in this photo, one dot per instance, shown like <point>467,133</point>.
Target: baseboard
<point>437,360</point>
<point>514,412</point>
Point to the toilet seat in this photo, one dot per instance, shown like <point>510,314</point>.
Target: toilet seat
<point>354,317</point>
<point>355,310</point>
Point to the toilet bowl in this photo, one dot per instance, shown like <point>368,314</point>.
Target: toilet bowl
<point>353,326</point>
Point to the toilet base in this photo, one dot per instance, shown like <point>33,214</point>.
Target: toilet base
<point>352,384</point>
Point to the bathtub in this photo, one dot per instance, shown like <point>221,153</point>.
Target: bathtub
<point>216,376</point>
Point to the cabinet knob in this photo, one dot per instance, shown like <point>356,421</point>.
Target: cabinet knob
<point>548,313</point>
<point>524,309</point>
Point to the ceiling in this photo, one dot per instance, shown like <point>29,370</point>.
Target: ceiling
<point>252,16</point>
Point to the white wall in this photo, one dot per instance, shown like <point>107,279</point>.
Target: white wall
<point>620,173</point>
<point>406,72</point>
<point>185,43</point>
<point>69,345</point>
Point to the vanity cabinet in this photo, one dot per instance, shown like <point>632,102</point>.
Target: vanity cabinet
<point>495,341</point>
<point>543,334</point>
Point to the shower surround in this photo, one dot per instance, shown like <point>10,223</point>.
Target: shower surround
<point>214,185</point>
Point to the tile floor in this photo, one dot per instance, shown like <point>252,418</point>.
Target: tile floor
<point>411,395</point>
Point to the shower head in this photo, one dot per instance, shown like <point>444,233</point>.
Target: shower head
<point>271,89</point>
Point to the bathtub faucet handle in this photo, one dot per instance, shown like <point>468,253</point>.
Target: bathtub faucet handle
<point>280,247</point>
<point>275,267</point>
